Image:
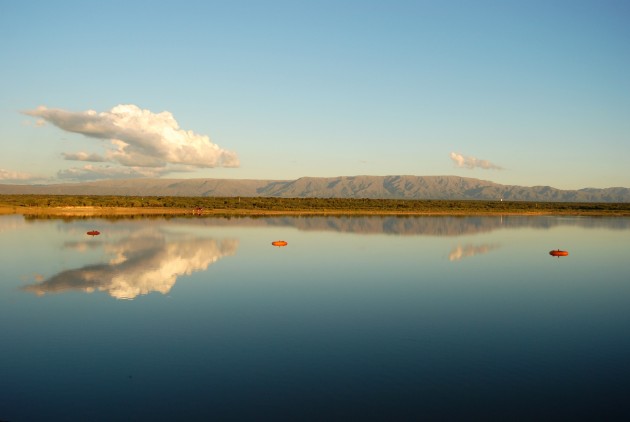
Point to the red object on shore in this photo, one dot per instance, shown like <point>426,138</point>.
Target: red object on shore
<point>93,232</point>
<point>558,252</point>
<point>279,243</point>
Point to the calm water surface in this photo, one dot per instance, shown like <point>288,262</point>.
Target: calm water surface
<point>356,318</point>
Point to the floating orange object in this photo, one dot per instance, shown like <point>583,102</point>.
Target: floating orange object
<point>279,243</point>
<point>93,232</point>
<point>558,252</point>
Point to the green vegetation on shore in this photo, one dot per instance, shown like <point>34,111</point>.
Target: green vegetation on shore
<point>262,205</point>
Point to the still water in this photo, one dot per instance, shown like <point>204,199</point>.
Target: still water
<point>357,318</point>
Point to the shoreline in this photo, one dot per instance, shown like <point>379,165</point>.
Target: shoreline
<point>90,211</point>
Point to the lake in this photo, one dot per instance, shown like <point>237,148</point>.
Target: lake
<point>356,318</point>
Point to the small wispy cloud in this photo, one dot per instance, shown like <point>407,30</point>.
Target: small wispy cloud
<point>91,172</point>
<point>138,138</point>
<point>472,162</point>
<point>18,176</point>
<point>83,156</point>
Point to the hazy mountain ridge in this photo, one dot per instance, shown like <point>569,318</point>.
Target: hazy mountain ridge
<point>388,187</point>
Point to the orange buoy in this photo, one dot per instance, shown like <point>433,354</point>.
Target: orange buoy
<point>279,243</point>
<point>558,252</point>
<point>93,232</point>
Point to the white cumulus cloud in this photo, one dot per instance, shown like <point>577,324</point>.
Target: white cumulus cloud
<point>472,162</point>
<point>139,138</point>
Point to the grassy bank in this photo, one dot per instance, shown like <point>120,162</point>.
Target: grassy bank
<point>134,205</point>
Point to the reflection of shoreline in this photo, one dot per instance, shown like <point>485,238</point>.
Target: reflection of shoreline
<point>460,252</point>
<point>139,264</point>
<point>11,223</point>
<point>412,226</point>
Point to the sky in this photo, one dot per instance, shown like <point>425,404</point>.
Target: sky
<point>527,93</point>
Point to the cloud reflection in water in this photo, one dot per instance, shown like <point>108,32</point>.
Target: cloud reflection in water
<point>460,252</point>
<point>140,264</point>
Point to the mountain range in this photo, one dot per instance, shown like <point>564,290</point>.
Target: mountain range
<point>386,187</point>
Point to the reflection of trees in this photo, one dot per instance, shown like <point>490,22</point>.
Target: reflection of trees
<point>420,225</point>
<point>414,225</point>
<point>460,252</point>
<point>140,264</point>
<point>398,225</point>
<point>443,225</point>
<point>434,226</point>
<point>11,222</point>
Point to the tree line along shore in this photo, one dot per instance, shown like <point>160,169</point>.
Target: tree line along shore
<point>104,205</point>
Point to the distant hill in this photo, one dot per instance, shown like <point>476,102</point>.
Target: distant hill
<point>392,187</point>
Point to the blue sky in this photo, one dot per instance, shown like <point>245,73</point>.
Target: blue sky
<point>517,92</point>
